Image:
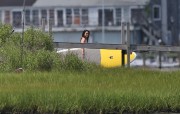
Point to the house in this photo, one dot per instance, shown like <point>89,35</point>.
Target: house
<point>19,3</point>
<point>69,18</point>
<point>164,15</point>
<point>11,11</point>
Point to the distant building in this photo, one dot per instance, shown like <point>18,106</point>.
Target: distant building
<point>14,3</point>
<point>165,15</point>
<point>70,17</point>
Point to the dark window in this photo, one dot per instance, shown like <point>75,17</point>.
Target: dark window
<point>156,12</point>
<point>136,16</point>
<point>27,17</point>
<point>35,15</point>
<point>60,17</point>
<point>118,16</point>
<point>51,16</point>
<point>0,17</point>
<point>17,18</point>
<point>84,17</point>
<point>68,16</point>
<point>44,15</point>
<point>108,17</point>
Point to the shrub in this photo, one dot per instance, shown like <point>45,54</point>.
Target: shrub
<point>5,33</point>
<point>36,40</point>
<point>9,57</point>
<point>37,52</point>
<point>72,62</point>
<point>45,60</point>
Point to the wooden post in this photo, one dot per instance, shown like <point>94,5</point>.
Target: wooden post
<point>144,59</point>
<point>128,44</point>
<point>123,38</point>
<point>160,62</point>
<point>122,33</point>
<point>144,54</point>
<point>123,57</point>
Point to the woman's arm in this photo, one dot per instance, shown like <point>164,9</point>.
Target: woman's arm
<point>83,40</point>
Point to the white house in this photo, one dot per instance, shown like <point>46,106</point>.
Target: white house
<point>69,18</point>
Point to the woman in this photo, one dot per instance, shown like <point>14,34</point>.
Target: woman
<point>84,39</point>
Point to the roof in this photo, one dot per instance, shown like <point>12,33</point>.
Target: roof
<point>66,3</point>
<point>16,2</point>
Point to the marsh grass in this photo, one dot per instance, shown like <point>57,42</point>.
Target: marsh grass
<point>98,90</point>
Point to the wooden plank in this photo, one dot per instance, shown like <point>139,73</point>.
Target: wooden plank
<point>155,48</point>
<point>150,35</point>
<point>89,45</point>
<point>118,46</point>
<point>128,45</point>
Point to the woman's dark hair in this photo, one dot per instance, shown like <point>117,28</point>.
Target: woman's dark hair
<point>84,33</point>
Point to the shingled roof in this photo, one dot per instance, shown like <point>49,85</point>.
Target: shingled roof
<point>67,3</point>
<point>4,3</point>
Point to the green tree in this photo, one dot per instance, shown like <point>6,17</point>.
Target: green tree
<point>38,51</point>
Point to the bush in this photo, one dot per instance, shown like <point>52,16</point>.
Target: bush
<point>45,60</point>
<point>72,62</point>
<point>5,33</point>
<point>37,40</point>
<point>10,57</point>
<point>37,52</point>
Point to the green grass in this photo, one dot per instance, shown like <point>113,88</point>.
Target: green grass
<point>96,91</point>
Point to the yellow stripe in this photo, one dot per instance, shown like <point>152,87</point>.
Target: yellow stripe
<point>132,57</point>
<point>113,58</point>
<point>110,58</point>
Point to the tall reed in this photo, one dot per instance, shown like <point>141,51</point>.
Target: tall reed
<point>94,91</point>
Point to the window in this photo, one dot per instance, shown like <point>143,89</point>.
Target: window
<point>84,17</point>
<point>156,12</point>
<point>27,17</point>
<point>68,16</point>
<point>44,15</point>
<point>118,16</point>
<point>35,17</point>
<point>17,18</point>
<point>51,17</point>
<point>0,17</point>
<point>108,17</point>
<point>7,17</point>
<point>76,16</point>
<point>126,13</point>
<point>60,17</point>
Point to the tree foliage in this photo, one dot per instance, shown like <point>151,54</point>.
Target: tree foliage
<point>33,51</point>
<point>36,52</point>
